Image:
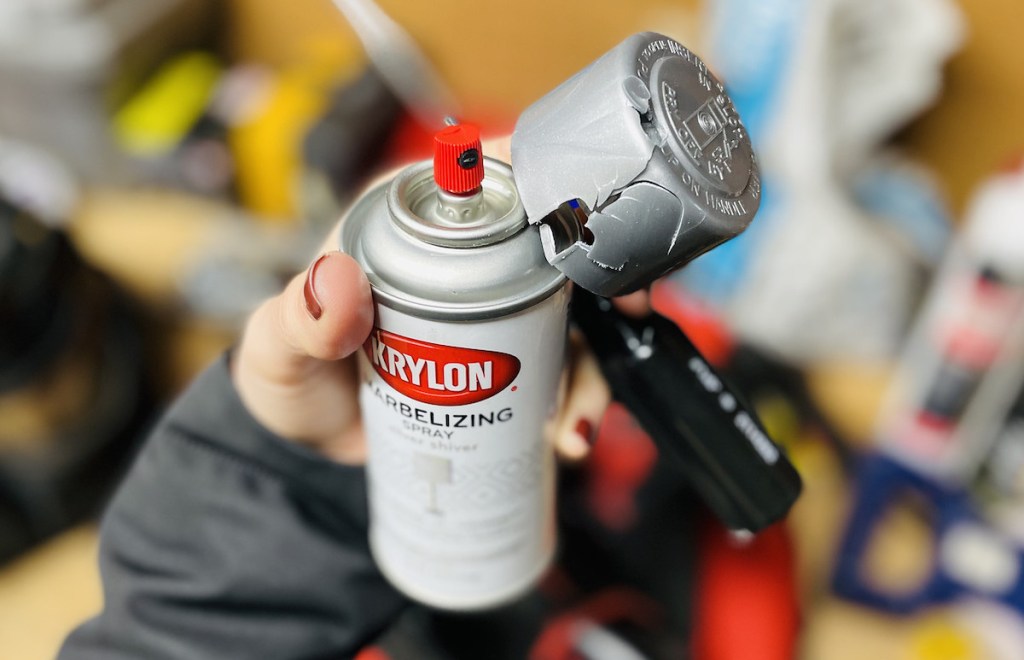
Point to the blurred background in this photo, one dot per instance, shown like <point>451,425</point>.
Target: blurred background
<point>165,165</point>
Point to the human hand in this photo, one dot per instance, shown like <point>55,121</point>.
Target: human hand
<point>295,366</point>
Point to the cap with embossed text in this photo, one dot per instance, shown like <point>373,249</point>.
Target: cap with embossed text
<point>634,166</point>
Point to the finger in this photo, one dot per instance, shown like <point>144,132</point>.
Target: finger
<point>636,304</point>
<point>322,315</point>
<point>499,148</point>
<point>586,400</point>
<point>287,369</point>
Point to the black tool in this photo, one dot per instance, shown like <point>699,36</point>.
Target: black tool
<point>691,413</point>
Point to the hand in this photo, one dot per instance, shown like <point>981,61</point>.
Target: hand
<point>295,369</point>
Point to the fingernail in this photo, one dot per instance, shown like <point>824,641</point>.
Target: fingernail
<point>313,305</point>
<point>585,430</point>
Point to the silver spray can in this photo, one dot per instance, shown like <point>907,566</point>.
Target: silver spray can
<point>626,171</point>
<point>458,378</point>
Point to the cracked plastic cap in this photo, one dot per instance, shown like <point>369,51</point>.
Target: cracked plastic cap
<point>634,166</point>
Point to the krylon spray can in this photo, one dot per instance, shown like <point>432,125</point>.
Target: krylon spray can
<point>458,378</point>
<point>627,170</point>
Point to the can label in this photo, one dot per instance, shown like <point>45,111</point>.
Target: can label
<point>438,374</point>
<point>461,475</point>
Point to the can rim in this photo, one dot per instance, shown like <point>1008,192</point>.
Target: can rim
<point>546,281</point>
<point>415,184</point>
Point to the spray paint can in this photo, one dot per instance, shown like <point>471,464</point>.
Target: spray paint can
<point>458,378</point>
<point>469,265</point>
<point>964,360</point>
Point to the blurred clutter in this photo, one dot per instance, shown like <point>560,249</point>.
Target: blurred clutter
<point>75,390</point>
<point>67,66</point>
<point>848,228</point>
<point>950,411</point>
<point>100,95</point>
<point>158,180</point>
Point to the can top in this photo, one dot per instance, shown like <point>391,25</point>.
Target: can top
<point>634,166</point>
<point>446,256</point>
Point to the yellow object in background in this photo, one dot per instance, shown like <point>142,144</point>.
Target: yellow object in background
<point>155,120</point>
<point>940,638</point>
<point>47,592</point>
<point>267,143</point>
<point>267,146</point>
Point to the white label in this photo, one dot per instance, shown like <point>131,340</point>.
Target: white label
<point>461,475</point>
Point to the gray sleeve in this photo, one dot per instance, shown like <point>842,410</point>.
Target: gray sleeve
<point>225,541</point>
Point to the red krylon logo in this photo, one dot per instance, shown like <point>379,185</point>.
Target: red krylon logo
<point>436,374</point>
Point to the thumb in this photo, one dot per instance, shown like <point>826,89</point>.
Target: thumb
<point>288,369</point>
<point>322,315</point>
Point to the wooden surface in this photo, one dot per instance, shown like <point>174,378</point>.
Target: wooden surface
<point>497,54</point>
<point>46,593</point>
<point>978,124</point>
<point>505,55</point>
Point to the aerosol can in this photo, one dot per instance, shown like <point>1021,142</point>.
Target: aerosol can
<point>964,362</point>
<point>629,169</point>
<point>949,421</point>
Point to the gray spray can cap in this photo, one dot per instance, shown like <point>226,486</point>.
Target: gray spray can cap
<point>648,143</point>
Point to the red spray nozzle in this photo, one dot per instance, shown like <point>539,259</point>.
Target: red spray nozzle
<point>458,161</point>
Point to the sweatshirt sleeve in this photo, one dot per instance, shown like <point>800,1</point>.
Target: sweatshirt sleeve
<point>226,541</point>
